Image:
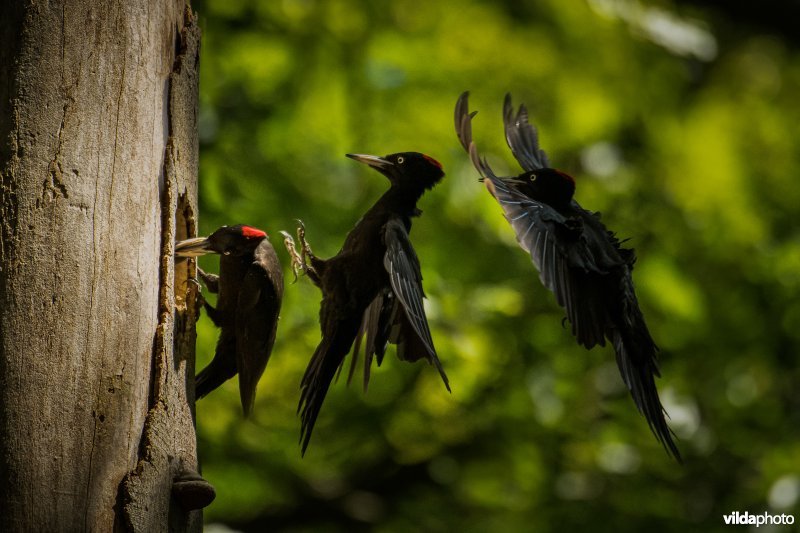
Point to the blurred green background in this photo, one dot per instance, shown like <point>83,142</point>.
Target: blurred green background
<point>680,122</point>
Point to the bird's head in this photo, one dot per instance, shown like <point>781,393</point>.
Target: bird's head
<point>405,168</point>
<point>550,186</point>
<point>227,240</point>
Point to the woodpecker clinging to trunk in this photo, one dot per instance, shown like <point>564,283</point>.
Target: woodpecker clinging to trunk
<point>250,289</point>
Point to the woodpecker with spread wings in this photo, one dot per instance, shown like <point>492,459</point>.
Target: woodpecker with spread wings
<point>372,289</point>
<point>578,259</point>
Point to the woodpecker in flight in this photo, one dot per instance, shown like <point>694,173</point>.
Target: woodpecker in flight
<point>250,289</point>
<point>371,289</point>
<point>578,259</point>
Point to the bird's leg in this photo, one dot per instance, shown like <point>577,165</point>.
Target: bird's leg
<point>212,312</point>
<point>312,270</point>
<point>198,297</point>
<point>212,284</point>
<point>211,280</point>
<point>297,261</point>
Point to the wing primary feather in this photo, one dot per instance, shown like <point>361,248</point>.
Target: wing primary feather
<point>406,280</point>
<point>356,347</point>
<point>522,137</point>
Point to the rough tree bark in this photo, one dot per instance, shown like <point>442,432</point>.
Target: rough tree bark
<point>98,166</point>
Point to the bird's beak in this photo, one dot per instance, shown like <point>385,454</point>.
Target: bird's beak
<point>372,160</point>
<point>193,247</point>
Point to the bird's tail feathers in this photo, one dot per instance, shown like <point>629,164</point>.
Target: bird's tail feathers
<point>211,377</point>
<point>636,359</point>
<point>318,376</point>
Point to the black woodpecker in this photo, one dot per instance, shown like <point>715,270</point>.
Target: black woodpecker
<point>578,259</point>
<point>250,289</point>
<point>371,289</point>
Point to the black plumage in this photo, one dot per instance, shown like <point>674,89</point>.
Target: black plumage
<point>578,259</point>
<point>250,290</point>
<point>372,289</point>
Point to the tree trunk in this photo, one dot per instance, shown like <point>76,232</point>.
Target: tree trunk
<point>98,166</point>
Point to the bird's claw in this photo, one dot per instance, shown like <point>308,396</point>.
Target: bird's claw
<point>297,261</point>
<point>199,301</point>
<point>305,248</point>
<point>301,236</point>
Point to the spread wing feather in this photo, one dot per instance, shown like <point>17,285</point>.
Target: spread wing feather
<point>375,330</point>
<point>522,137</point>
<point>563,268</point>
<point>405,277</point>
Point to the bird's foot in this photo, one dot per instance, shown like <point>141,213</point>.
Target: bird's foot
<point>298,264</point>
<point>199,300</point>
<point>305,247</point>
<point>300,261</point>
<point>211,280</point>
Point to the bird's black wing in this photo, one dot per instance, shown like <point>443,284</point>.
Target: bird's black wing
<point>559,250</point>
<point>463,120</point>
<point>463,123</point>
<point>590,275</point>
<point>522,137</point>
<point>374,332</point>
<point>557,245</point>
<point>405,277</point>
<point>385,321</point>
<point>257,310</point>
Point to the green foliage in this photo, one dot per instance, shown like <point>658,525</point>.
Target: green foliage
<point>694,160</point>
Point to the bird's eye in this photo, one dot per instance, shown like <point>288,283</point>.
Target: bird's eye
<point>400,160</point>
<point>533,177</point>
